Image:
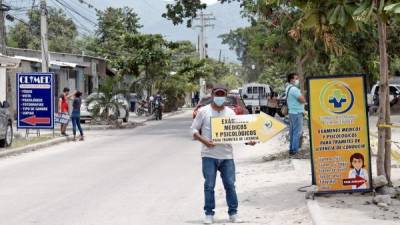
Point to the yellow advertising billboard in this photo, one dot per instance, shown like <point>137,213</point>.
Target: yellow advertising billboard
<point>339,134</point>
<point>245,128</point>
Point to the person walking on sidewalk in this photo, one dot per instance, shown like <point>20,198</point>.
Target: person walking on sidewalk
<point>216,157</point>
<point>63,108</point>
<point>76,115</point>
<point>295,102</point>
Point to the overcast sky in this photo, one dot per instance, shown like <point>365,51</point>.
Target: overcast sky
<point>227,18</point>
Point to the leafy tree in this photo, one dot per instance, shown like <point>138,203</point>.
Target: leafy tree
<point>328,22</point>
<point>115,24</point>
<point>61,30</point>
<point>325,16</point>
<point>183,9</point>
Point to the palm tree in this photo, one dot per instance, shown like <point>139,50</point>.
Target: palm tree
<point>106,104</point>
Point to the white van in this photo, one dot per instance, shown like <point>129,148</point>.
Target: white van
<point>255,96</point>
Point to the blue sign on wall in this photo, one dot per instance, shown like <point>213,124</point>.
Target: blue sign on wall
<point>35,100</point>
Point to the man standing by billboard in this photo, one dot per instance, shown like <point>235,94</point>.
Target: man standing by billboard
<point>216,157</point>
<point>295,102</point>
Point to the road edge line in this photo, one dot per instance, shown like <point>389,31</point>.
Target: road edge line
<point>32,148</point>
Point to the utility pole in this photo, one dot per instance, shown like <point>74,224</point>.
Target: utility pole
<point>44,36</point>
<point>3,9</point>
<point>3,51</point>
<point>205,21</point>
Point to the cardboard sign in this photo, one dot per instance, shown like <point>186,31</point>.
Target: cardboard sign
<point>61,118</point>
<point>245,128</point>
<point>339,134</point>
<point>35,100</point>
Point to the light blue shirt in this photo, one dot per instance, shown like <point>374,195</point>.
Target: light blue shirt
<point>294,105</point>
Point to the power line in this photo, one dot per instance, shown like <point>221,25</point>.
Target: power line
<point>87,12</point>
<point>78,13</point>
<point>69,7</point>
<point>12,18</point>
<point>89,5</point>
<point>78,23</point>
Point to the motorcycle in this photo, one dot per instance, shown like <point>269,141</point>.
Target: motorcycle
<point>143,109</point>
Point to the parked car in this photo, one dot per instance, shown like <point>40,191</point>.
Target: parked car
<point>86,109</point>
<point>232,101</point>
<point>373,96</point>
<point>6,130</point>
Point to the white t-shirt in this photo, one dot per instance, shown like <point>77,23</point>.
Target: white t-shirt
<point>363,173</point>
<point>203,122</point>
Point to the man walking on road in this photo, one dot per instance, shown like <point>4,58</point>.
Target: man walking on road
<point>216,157</point>
<point>295,102</point>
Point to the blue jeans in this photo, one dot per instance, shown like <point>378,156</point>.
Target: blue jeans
<point>76,122</point>
<point>295,131</point>
<point>227,169</point>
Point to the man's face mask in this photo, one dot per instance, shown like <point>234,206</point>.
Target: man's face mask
<point>219,101</point>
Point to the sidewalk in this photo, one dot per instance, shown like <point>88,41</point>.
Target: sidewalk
<point>268,191</point>
<point>338,209</point>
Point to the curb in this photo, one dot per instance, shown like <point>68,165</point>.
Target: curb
<point>145,119</point>
<point>32,148</point>
<point>106,127</point>
<point>313,207</point>
<point>167,115</point>
<point>315,212</point>
<point>179,111</point>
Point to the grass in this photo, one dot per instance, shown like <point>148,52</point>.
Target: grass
<point>22,141</point>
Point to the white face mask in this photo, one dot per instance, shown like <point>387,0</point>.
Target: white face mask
<point>219,101</point>
<point>297,82</point>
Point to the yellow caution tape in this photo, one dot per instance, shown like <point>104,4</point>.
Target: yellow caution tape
<point>395,154</point>
<point>389,125</point>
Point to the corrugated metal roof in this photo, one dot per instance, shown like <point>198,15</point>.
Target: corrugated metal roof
<point>57,53</point>
<point>9,62</point>
<point>55,63</point>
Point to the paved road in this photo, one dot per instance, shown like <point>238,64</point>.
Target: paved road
<point>149,175</point>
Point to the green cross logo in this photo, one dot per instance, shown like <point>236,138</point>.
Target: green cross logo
<point>337,99</point>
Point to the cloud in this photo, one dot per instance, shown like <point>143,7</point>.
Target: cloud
<point>210,2</point>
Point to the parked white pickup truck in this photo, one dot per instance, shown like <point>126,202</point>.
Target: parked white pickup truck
<point>254,96</point>
<point>373,96</point>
